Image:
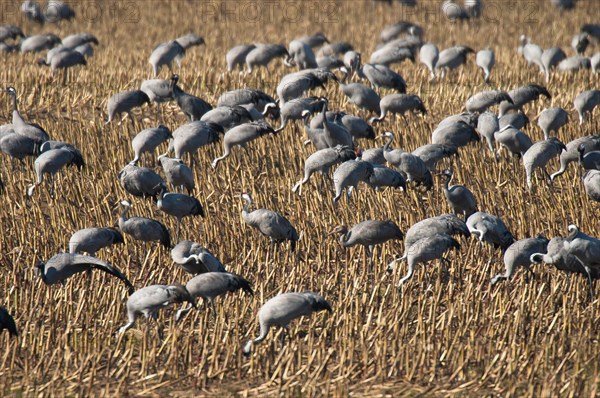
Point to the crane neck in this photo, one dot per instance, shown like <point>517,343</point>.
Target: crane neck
<point>123,217</point>
<point>247,204</point>
<point>344,77</point>
<point>386,147</point>
<point>16,116</point>
<point>324,111</point>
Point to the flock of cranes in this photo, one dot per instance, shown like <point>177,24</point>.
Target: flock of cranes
<point>242,116</point>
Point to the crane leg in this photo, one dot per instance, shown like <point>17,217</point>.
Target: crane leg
<point>177,229</point>
<point>591,283</point>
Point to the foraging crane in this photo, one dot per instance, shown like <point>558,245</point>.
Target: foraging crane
<point>552,119</point>
<point>368,233</point>
<point>334,49</point>
<point>51,162</point>
<point>314,40</point>
<point>141,182</point>
<point>178,205</point>
<point>531,52</point>
<point>191,136</point>
<point>424,250</point>
<point>486,60</point>
<point>302,55</point>
<point>292,110</point>
<point>142,228</point>
<point>190,40</point>
<point>360,95</point>
<point>349,174</point>
<point>148,140</point>
<point>20,126</point>
<point>195,259</point>
<point>591,184</point>
<point>557,255</point>
<point>380,76</point>
<point>431,154</point>
<point>464,117</point>
<point>227,116</point>
<point>519,255</point>
<point>591,143</point>
<point>391,53</point>
<point>487,126</point>
<point>385,177</point>
<point>178,174</point>
<point>551,58</point>
<point>236,56</point>
<point>428,56</point>
<point>352,61</point>
<point>587,250</point>
<point>124,102</point>
<point>589,160</point>
<point>316,136</point>
<point>574,64</point>
<point>64,265</point>
<point>333,133</point>
<point>247,96</point>
<point>271,224</point>
<point>399,103</point>
<point>7,322</point>
<point>456,135</point>
<point>481,101</point>
<point>18,146</point>
<point>263,54</point>
<point>516,119</point>
<point>90,240</point>
<point>64,59</point>
<point>452,58</point>
<point>391,32</point>
<point>322,160</point>
<point>284,308</point>
<point>193,107</point>
<point>241,135</point>
<point>516,141</point>
<point>357,127</point>
<point>448,224</point>
<point>523,95</point>
<point>539,154</point>
<point>39,43</point>
<point>79,39</point>
<point>584,103</point>
<point>211,285</point>
<point>411,165</point>
<point>459,197</point>
<point>294,85</point>
<point>490,229</point>
<point>164,54</point>
<point>148,300</point>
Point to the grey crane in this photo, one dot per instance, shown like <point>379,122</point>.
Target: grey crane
<point>189,137</point>
<point>165,54</point>
<point>227,116</point>
<point>431,154</point>
<point>124,102</point>
<point>190,40</point>
<point>32,11</point>
<point>552,119</point>
<point>557,255</point>
<point>453,11</point>
<point>360,95</point>
<point>10,32</point>
<point>64,265</point>
<point>399,103</point>
<point>587,250</point>
<point>352,60</point>
<point>357,127</point>
<point>292,110</point>
<point>574,64</point>
<point>315,40</point>
<point>464,117</point>
<point>519,255</point>
<point>194,107</point>
<point>424,250</point>
<point>302,54</point>
<point>329,62</point>
<point>591,184</point>
<point>7,322</point>
<point>428,56</point>
<point>158,90</point>
<point>486,60</point>
<point>178,174</point>
<point>481,101</point>
<point>349,174</point>
<point>20,126</point>
<point>368,233</point>
<point>516,119</point>
<point>322,160</point>
<point>294,85</point>
<point>179,206</point>
<point>39,43</point>
<point>148,300</point>
<point>316,136</point>
<point>459,197</point>
<point>374,155</point>
<point>18,146</point>
<point>337,48</point>
<point>284,308</point>
<point>452,58</point>
<point>448,224</point>
<point>593,30</point>
<point>241,135</point>
<point>456,134</point>
<point>148,140</point>
<point>263,54</point>
<point>211,285</point>
<point>140,181</point>
<point>271,224</point>
<point>522,96</point>
<point>491,229</point>
<point>391,32</point>
<point>380,76</point>
<point>64,60</point>
<point>391,53</point>
<point>51,144</point>
<point>195,259</point>
<point>591,143</point>
<point>385,177</point>
<point>532,52</point>
<point>595,62</point>
<point>539,154</point>
<point>516,141</point>
<point>90,240</point>
<point>550,59</point>
<point>410,165</point>
<point>247,96</point>
<point>584,103</point>
<point>57,10</point>
<point>79,39</point>
<point>51,162</point>
<point>236,56</point>
<point>142,228</point>
<point>487,126</point>
<point>334,133</point>
<point>589,160</point>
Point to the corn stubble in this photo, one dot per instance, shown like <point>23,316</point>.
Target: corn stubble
<point>455,337</point>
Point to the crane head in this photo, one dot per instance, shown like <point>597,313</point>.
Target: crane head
<point>125,203</point>
<point>247,197</point>
<point>11,90</point>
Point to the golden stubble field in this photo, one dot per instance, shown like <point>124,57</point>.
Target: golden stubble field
<point>455,337</point>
